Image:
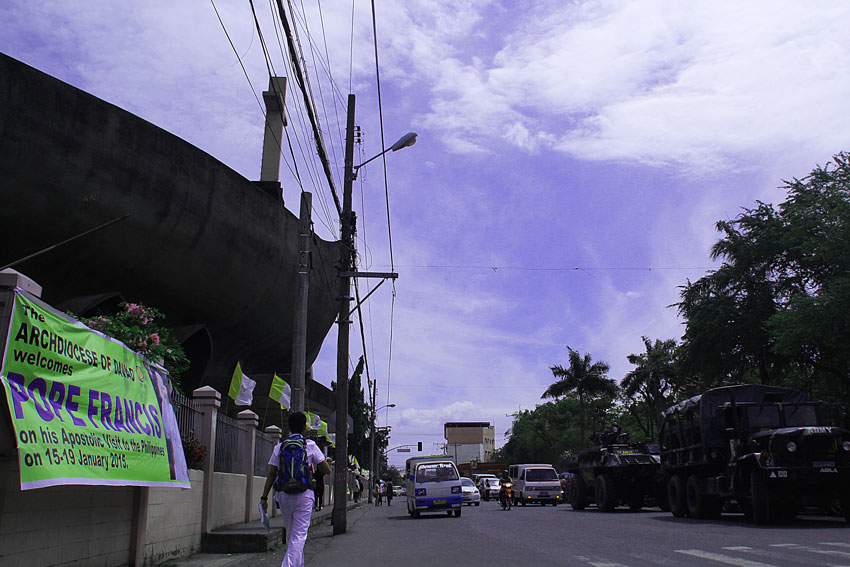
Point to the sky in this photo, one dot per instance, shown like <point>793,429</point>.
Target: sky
<point>572,158</point>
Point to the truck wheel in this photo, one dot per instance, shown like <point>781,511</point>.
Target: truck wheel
<point>457,513</point>
<point>759,498</point>
<point>676,496</point>
<point>578,493</point>
<point>606,498</point>
<point>700,505</point>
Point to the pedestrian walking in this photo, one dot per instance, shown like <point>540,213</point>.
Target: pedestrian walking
<point>358,488</point>
<point>378,492</point>
<point>388,488</point>
<point>291,474</point>
<point>319,491</point>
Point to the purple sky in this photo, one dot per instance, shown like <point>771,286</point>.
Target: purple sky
<point>572,160</point>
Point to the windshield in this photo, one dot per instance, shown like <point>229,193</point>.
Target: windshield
<point>763,416</point>
<point>435,472</point>
<point>537,475</point>
<point>768,416</point>
<point>800,416</point>
<point>467,482</point>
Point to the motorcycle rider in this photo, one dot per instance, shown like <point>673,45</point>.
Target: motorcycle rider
<point>505,479</point>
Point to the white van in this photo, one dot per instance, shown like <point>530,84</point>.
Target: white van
<point>432,484</point>
<point>535,483</point>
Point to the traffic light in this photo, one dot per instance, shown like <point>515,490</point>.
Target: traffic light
<point>420,447</point>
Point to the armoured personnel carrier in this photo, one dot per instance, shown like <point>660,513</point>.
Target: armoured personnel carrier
<point>614,472</point>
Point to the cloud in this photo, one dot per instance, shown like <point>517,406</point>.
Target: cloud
<point>652,82</point>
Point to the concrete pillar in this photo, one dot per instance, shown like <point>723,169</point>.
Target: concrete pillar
<point>248,422</point>
<point>208,400</point>
<point>141,498</point>
<point>274,432</point>
<point>274,98</point>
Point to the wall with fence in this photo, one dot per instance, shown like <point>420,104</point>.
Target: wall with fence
<point>117,525</point>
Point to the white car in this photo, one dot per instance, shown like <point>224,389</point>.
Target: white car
<point>469,491</point>
<point>489,488</point>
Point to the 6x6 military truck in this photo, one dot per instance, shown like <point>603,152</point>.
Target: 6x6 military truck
<point>614,472</point>
<point>760,446</point>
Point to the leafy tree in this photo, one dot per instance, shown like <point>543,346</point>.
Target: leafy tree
<point>358,409</point>
<point>650,386</point>
<point>586,378</point>
<point>774,312</point>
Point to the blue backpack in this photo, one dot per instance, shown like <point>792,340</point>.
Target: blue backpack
<point>294,474</point>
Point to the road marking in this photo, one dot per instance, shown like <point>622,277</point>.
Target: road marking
<point>835,544</point>
<point>606,564</point>
<point>723,558</point>
<point>738,548</point>
<point>784,545</point>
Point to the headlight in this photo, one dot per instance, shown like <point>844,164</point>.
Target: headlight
<point>791,446</point>
<point>456,489</point>
<point>420,492</point>
<point>846,445</point>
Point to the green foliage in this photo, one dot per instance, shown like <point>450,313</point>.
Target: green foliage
<point>586,378</point>
<point>776,310</point>
<point>140,328</point>
<point>550,432</point>
<point>358,409</point>
<point>649,388</point>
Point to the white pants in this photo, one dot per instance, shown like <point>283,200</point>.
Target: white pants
<point>296,510</point>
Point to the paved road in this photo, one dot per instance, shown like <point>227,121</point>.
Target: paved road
<point>538,536</point>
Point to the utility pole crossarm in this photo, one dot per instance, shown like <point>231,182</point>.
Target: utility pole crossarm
<point>381,275</point>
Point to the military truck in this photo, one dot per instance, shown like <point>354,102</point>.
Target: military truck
<point>614,472</point>
<point>760,447</point>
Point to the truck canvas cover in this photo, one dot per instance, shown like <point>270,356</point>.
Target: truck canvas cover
<point>706,405</point>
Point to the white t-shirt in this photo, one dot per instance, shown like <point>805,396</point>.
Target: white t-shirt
<point>314,454</point>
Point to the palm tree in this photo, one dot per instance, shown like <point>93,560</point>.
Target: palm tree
<point>654,376</point>
<point>585,378</point>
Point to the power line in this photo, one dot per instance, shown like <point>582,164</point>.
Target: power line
<point>299,76</point>
<point>551,269</point>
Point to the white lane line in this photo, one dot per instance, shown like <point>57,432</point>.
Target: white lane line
<point>784,545</point>
<point>602,564</point>
<point>738,562</point>
<point>738,548</point>
<point>835,544</point>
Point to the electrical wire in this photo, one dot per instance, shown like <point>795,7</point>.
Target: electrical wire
<point>383,142</point>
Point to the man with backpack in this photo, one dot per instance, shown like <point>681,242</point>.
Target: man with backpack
<point>291,473</point>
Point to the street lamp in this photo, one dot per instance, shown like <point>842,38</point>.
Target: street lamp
<point>404,142</point>
<point>346,272</point>
<point>372,447</point>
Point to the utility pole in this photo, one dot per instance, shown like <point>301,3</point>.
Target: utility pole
<point>372,394</point>
<point>348,222</point>
<point>299,341</point>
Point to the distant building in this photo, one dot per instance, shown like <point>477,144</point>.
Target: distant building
<point>470,441</point>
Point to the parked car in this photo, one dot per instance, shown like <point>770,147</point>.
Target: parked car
<point>469,492</point>
<point>489,488</point>
<point>398,490</point>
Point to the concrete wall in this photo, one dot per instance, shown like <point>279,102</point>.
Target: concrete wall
<point>228,501</point>
<point>81,525</point>
<point>174,520</point>
<point>63,525</point>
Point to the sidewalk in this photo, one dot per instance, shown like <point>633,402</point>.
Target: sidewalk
<point>255,529</point>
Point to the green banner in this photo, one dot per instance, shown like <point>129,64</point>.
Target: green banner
<point>85,408</point>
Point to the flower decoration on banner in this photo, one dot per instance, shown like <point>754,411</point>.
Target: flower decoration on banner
<point>140,328</point>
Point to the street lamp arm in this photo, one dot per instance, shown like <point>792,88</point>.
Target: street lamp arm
<point>404,142</point>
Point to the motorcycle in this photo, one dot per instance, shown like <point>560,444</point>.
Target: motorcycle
<point>506,495</point>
